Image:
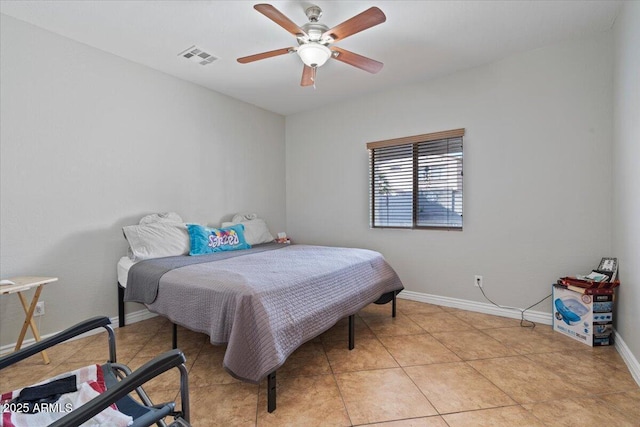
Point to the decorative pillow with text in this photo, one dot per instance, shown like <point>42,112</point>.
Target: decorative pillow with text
<point>206,240</point>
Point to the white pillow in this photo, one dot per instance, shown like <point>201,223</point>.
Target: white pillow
<point>161,217</point>
<point>237,218</point>
<point>157,240</point>
<point>255,231</point>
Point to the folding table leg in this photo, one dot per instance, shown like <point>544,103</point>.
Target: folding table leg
<point>28,322</point>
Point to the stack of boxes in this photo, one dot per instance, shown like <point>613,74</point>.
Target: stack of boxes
<point>585,315</point>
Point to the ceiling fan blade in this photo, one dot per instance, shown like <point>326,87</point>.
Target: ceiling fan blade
<point>278,17</point>
<point>367,19</point>
<point>356,60</point>
<point>307,76</point>
<point>263,55</point>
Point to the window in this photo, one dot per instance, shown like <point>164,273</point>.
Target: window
<point>416,182</point>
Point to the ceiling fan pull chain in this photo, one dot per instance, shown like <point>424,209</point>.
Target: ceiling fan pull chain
<point>313,78</point>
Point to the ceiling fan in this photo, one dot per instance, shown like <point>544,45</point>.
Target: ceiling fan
<point>315,40</point>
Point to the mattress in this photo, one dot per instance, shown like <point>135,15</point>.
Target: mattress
<point>124,265</point>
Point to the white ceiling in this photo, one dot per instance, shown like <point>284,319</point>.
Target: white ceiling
<point>419,41</point>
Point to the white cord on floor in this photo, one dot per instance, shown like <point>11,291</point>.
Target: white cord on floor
<point>530,323</point>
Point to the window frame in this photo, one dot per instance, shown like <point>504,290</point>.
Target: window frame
<point>414,141</point>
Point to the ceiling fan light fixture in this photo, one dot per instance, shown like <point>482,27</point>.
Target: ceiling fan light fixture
<point>314,54</point>
<point>314,39</point>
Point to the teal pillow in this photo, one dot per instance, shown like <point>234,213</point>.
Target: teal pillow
<point>208,240</point>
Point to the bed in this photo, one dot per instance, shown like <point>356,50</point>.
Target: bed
<point>263,302</point>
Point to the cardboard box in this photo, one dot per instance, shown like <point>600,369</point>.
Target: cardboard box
<point>583,317</point>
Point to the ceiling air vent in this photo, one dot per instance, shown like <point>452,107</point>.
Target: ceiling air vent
<point>198,55</point>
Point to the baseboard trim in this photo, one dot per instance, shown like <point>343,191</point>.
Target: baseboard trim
<point>535,316</point>
<point>134,317</point>
<point>628,357</point>
<point>481,307</point>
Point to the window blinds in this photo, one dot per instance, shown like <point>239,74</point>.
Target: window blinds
<point>416,182</point>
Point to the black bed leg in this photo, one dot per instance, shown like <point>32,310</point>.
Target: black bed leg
<point>120,306</point>
<point>352,331</point>
<point>271,392</point>
<point>393,306</point>
<point>175,336</point>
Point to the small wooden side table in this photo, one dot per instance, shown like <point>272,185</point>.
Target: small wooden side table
<point>21,284</point>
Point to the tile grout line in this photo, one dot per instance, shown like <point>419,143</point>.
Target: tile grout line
<point>409,376</point>
<point>335,380</point>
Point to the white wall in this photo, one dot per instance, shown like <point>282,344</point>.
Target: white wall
<point>537,173</point>
<point>626,172</point>
<point>91,142</point>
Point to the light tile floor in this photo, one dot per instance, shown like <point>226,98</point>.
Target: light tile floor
<point>430,366</point>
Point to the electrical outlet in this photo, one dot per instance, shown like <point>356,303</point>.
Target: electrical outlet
<point>477,282</point>
<point>39,311</point>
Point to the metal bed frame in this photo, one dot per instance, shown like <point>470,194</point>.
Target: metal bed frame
<point>271,378</point>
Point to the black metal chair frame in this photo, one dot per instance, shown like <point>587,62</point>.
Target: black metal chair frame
<point>124,383</point>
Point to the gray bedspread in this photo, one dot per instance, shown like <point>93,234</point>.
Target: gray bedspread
<point>264,305</point>
<point>147,274</point>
